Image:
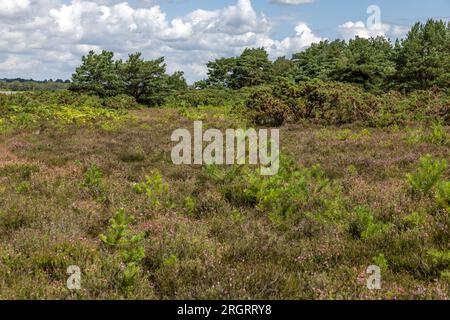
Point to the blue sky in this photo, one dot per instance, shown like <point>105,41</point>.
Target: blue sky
<point>46,38</point>
<point>323,15</point>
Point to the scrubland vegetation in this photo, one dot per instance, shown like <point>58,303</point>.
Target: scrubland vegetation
<point>86,178</point>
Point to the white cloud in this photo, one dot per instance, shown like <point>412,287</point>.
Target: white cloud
<point>10,8</point>
<point>352,29</point>
<point>16,62</point>
<point>50,36</point>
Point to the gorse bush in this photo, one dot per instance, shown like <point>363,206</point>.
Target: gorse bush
<point>37,99</point>
<point>427,175</point>
<point>264,109</point>
<point>334,103</point>
<point>330,103</point>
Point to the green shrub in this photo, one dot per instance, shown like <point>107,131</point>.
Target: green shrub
<point>189,205</point>
<point>192,98</point>
<point>56,110</point>
<point>22,171</point>
<point>95,185</point>
<point>153,187</point>
<point>287,197</point>
<point>237,217</point>
<point>440,262</point>
<point>171,260</point>
<point>364,225</point>
<point>438,135</point>
<point>443,195</point>
<point>121,101</point>
<point>119,237</point>
<point>192,114</point>
<point>414,220</point>
<point>328,102</point>
<point>336,103</point>
<point>23,187</point>
<point>381,262</point>
<point>427,175</point>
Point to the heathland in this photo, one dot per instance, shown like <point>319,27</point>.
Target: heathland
<point>87,180</point>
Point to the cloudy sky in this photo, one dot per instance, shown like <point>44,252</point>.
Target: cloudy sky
<point>46,38</point>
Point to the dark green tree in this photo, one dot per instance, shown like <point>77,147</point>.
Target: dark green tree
<point>367,62</point>
<point>97,74</point>
<point>283,67</point>
<point>319,60</point>
<point>423,57</point>
<point>252,68</point>
<point>177,81</point>
<point>144,80</point>
<point>220,72</point>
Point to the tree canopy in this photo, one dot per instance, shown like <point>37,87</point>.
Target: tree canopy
<point>420,61</point>
<point>145,80</point>
<point>423,57</point>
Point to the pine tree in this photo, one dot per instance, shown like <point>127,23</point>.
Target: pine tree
<point>423,58</point>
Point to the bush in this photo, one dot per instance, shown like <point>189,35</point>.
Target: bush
<point>55,110</point>
<point>264,109</point>
<point>334,103</point>
<point>443,195</point>
<point>153,187</point>
<point>365,226</point>
<point>94,184</point>
<point>440,261</point>
<point>427,175</point>
<point>207,97</point>
<point>121,101</point>
<point>328,102</point>
<point>135,154</point>
<point>438,135</point>
<point>119,236</point>
<point>381,262</point>
<point>288,197</point>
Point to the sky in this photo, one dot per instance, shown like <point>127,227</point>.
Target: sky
<point>43,39</point>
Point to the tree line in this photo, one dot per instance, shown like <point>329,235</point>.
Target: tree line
<point>420,61</point>
<point>19,84</point>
